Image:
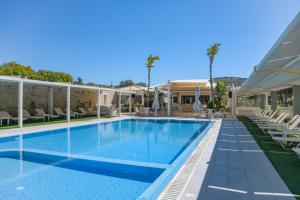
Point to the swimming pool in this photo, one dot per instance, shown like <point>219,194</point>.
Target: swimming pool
<point>123,159</point>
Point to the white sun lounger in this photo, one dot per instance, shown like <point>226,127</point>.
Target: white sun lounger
<point>297,150</point>
<point>286,142</point>
<point>26,114</point>
<point>273,123</point>
<point>281,128</point>
<point>4,115</point>
<point>41,113</point>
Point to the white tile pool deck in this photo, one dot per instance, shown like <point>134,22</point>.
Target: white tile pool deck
<point>237,169</point>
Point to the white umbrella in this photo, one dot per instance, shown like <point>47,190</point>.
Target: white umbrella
<point>155,104</point>
<point>197,103</point>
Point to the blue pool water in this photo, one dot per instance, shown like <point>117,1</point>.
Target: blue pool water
<point>111,160</point>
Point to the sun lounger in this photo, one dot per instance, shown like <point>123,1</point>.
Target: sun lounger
<point>297,150</point>
<point>287,127</point>
<point>279,119</point>
<point>273,123</point>
<point>91,111</point>
<point>83,111</point>
<point>269,117</point>
<point>4,115</point>
<point>287,142</point>
<point>75,114</point>
<point>27,115</point>
<point>41,113</point>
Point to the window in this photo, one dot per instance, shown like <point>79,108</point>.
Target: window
<point>187,99</point>
<point>204,99</point>
<point>175,99</point>
<point>285,97</point>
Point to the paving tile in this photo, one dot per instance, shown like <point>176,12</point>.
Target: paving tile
<point>240,168</point>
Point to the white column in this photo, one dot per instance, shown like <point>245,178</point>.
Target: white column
<point>120,109</point>
<point>50,101</point>
<point>68,103</point>
<point>143,99</point>
<point>296,103</point>
<point>130,106</point>
<point>169,99</point>
<point>20,104</point>
<point>266,99</point>
<point>98,103</point>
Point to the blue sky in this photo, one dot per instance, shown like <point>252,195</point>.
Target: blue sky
<point>107,41</point>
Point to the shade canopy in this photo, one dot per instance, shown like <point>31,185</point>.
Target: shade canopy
<point>281,65</point>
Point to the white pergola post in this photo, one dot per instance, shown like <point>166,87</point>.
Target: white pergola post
<point>50,101</point>
<point>169,99</point>
<point>68,103</point>
<point>130,106</point>
<point>143,99</point>
<point>119,107</point>
<point>98,103</point>
<point>20,104</point>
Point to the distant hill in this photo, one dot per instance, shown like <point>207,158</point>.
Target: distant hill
<point>238,81</point>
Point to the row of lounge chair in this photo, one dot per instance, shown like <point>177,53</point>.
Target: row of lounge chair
<point>41,115</point>
<point>284,132</point>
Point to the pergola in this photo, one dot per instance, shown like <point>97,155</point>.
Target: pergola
<point>68,86</point>
<point>280,68</point>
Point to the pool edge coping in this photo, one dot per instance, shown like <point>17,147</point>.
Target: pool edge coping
<point>209,138</point>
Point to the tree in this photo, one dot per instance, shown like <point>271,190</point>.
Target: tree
<point>220,92</point>
<point>15,69</point>
<point>79,81</point>
<point>212,51</point>
<point>126,83</point>
<point>141,84</point>
<point>150,64</point>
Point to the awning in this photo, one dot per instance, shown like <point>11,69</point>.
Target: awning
<point>280,67</point>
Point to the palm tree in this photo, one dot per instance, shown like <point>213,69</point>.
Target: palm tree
<point>150,64</point>
<point>211,52</point>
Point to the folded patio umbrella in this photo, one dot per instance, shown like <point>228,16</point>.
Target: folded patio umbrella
<point>155,104</point>
<point>197,103</point>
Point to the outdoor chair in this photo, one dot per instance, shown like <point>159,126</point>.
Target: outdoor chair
<point>145,112</point>
<point>137,111</point>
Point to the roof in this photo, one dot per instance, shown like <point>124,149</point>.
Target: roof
<point>186,85</point>
<point>281,65</point>
<point>13,79</point>
<point>135,88</point>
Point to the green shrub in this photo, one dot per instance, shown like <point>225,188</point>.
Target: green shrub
<point>15,69</point>
<point>210,105</point>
